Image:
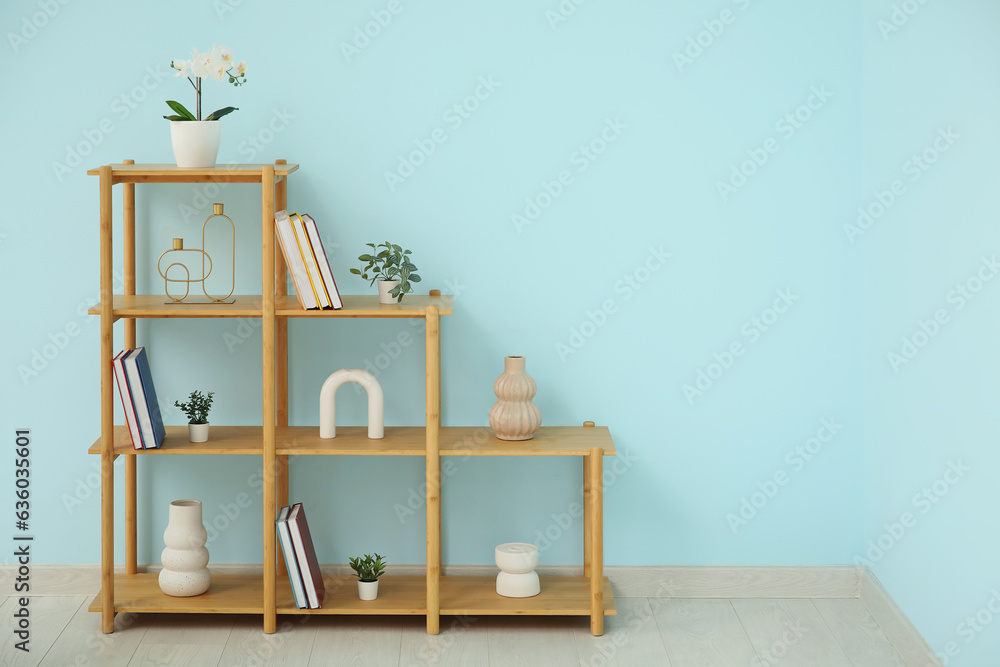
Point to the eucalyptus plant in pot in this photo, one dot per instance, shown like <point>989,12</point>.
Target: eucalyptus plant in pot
<point>196,408</point>
<point>196,140</point>
<point>368,568</point>
<point>390,266</point>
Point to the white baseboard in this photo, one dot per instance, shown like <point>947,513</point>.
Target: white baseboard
<point>897,627</point>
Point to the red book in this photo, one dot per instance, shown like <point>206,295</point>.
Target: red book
<point>305,554</point>
<point>126,395</point>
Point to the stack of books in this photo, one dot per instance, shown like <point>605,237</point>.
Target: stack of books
<point>135,386</point>
<point>299,239</point>
<point>300,557</point>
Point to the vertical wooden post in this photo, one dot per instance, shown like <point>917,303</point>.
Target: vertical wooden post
<point>268,344</point>
<point>586,510</point>
<point>281,355</point>
<point>131,462</point>
<point>433,460</point>
<point>597,541</point>
<point>107,411</point>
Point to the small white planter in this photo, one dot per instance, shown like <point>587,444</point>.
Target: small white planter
<point>384,287</point>
<point>195,142</point>
<point>198,432</point>
<point>367,590</point>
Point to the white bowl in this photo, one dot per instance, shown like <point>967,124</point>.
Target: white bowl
<point>517,557</point>
<point>518,585</point>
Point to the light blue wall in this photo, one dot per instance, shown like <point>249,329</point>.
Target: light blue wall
<point>773,239</point>
<point>935,407</point>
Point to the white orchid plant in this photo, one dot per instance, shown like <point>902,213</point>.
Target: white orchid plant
<point>218,64</point>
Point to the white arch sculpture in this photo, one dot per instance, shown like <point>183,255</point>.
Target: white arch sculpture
<point>328,406</point>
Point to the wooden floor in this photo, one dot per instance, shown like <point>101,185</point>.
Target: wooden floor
<point>646,632</point>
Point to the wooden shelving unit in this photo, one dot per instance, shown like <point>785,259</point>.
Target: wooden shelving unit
<point>269,594</point>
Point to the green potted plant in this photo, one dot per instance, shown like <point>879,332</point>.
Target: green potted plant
<point>195,140</point>
<point>390,266</point>
<point>196,409</point>
<point>368,568</point>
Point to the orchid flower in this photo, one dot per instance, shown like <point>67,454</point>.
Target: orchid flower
<point>217,64</point>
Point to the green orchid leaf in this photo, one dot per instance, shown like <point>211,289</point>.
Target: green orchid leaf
<point>225,111</point>
<point>176,117</point>
<point>180,110</point>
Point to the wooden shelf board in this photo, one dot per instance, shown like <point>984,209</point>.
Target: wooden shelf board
<point>252,305</point>
<point>153,305</point>
<point>397,596</point>
<point>223,440</point>
<point>367,305</point>
<point>170,173</point>
<point>228,594</point>
<point>560,596</point>
<point>353,441</point>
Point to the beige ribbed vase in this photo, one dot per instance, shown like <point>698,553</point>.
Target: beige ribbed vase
<point>514,416</point>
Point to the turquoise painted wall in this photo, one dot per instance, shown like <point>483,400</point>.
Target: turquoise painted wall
<point>647,199</point>
<point>930,351</point>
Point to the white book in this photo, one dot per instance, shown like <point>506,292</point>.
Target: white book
<point>323,261</point>
<point>293,258</point>
<point>139,399</point>
<point>294,575</point>
<point>305,247</point>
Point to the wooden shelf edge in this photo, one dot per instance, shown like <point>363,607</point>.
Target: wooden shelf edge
<point>400,596</point>
<point>353,441</point>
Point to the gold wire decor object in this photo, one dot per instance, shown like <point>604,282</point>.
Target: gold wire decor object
<point>178,246</point>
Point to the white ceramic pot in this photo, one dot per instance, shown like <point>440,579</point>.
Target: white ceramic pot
<point>195,142</point>
<point>185,558</point>
<point>517,557</point>
<point>384,287</point>
<point>367,590</point>
<point>514,416</point>
<point>198,432</point>
<point>518,585</point>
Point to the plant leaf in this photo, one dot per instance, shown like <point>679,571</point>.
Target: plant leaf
<point>176,117</point>
<point>356,272</point>
<point>219,113</point>
<point>180,110</point>
<point>414,278</point>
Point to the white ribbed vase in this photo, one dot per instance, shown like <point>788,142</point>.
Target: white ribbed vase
<point>514,416</point>
<point>185,558</point>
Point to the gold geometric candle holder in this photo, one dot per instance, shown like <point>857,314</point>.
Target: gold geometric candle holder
<point>178,247</point>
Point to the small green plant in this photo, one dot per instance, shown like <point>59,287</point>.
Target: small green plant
<point>197,407</point>
<point>388,261</point>
<point>368,568</point>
